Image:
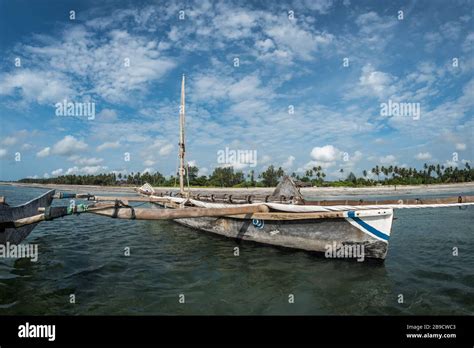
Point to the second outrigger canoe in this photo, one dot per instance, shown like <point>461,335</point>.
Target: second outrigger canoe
<point>14,235</point>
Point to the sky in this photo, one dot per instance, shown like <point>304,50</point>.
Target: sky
<point>341,84</point>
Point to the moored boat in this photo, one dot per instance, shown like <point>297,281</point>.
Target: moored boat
<point>311,228</point>
<point>14,235</point>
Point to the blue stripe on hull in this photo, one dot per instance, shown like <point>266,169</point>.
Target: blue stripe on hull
<point>369,228</point>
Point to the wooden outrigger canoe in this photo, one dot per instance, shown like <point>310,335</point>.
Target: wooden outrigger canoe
<point>357,225</point>
<point>289,225</point>
<point>15,234</point>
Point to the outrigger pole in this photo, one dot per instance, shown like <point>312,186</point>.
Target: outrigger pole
<point>181,139</point>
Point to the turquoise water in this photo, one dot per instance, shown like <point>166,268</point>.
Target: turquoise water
<point>84,256</point>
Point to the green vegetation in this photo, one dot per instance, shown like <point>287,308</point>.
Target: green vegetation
<point>227,177</point>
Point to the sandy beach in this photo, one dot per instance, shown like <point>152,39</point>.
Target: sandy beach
<point>307,191</point>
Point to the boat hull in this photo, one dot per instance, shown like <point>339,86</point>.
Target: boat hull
<point>319,235</point>
<point>8,214</point>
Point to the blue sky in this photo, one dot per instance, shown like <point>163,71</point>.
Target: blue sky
<point>285,59</point>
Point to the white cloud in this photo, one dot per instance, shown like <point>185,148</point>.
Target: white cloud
<point>207,86</point>
<point>248,86</point>
<point>107,115</point>
<point>86,170</point>
<point>149,162</point>
<point>460,146</point>
<point>327,153</point>
<point>374,31</point>
<point>235,25</point>
<point>68,146</point>
<point>321,6</point>
<point>373,83</point>
<point>44,87</point>
<point>264,45</point>
<point>423,156</point>
<point>468,44</point>
<point>44,153</point>
<point>57,172</point>
<point>108,145</point>
<point>152,152</point>
<point>372,23</point>
<point>298,41</point>
<point>17,137</point>
<point>389,159</point>
<point>447,115</point>
<point>211,88</point>
<point>3,153</point>
<point>83,161</point>
<point>116,64</point>
<point>9,141</point>
<point>166,150</point>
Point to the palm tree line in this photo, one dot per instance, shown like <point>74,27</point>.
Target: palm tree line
<point>228,177</point>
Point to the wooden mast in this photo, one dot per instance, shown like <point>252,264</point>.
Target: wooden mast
<point>181,139</point>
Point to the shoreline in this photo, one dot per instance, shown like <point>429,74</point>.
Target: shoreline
<point>306,191</point>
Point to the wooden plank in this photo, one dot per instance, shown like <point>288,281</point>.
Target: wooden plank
<point>29,220</point>
<point>130,199</point>
<point>171,205</point>
<point>121,212</point>
<point>289,216</point>
<point>166,214</point>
